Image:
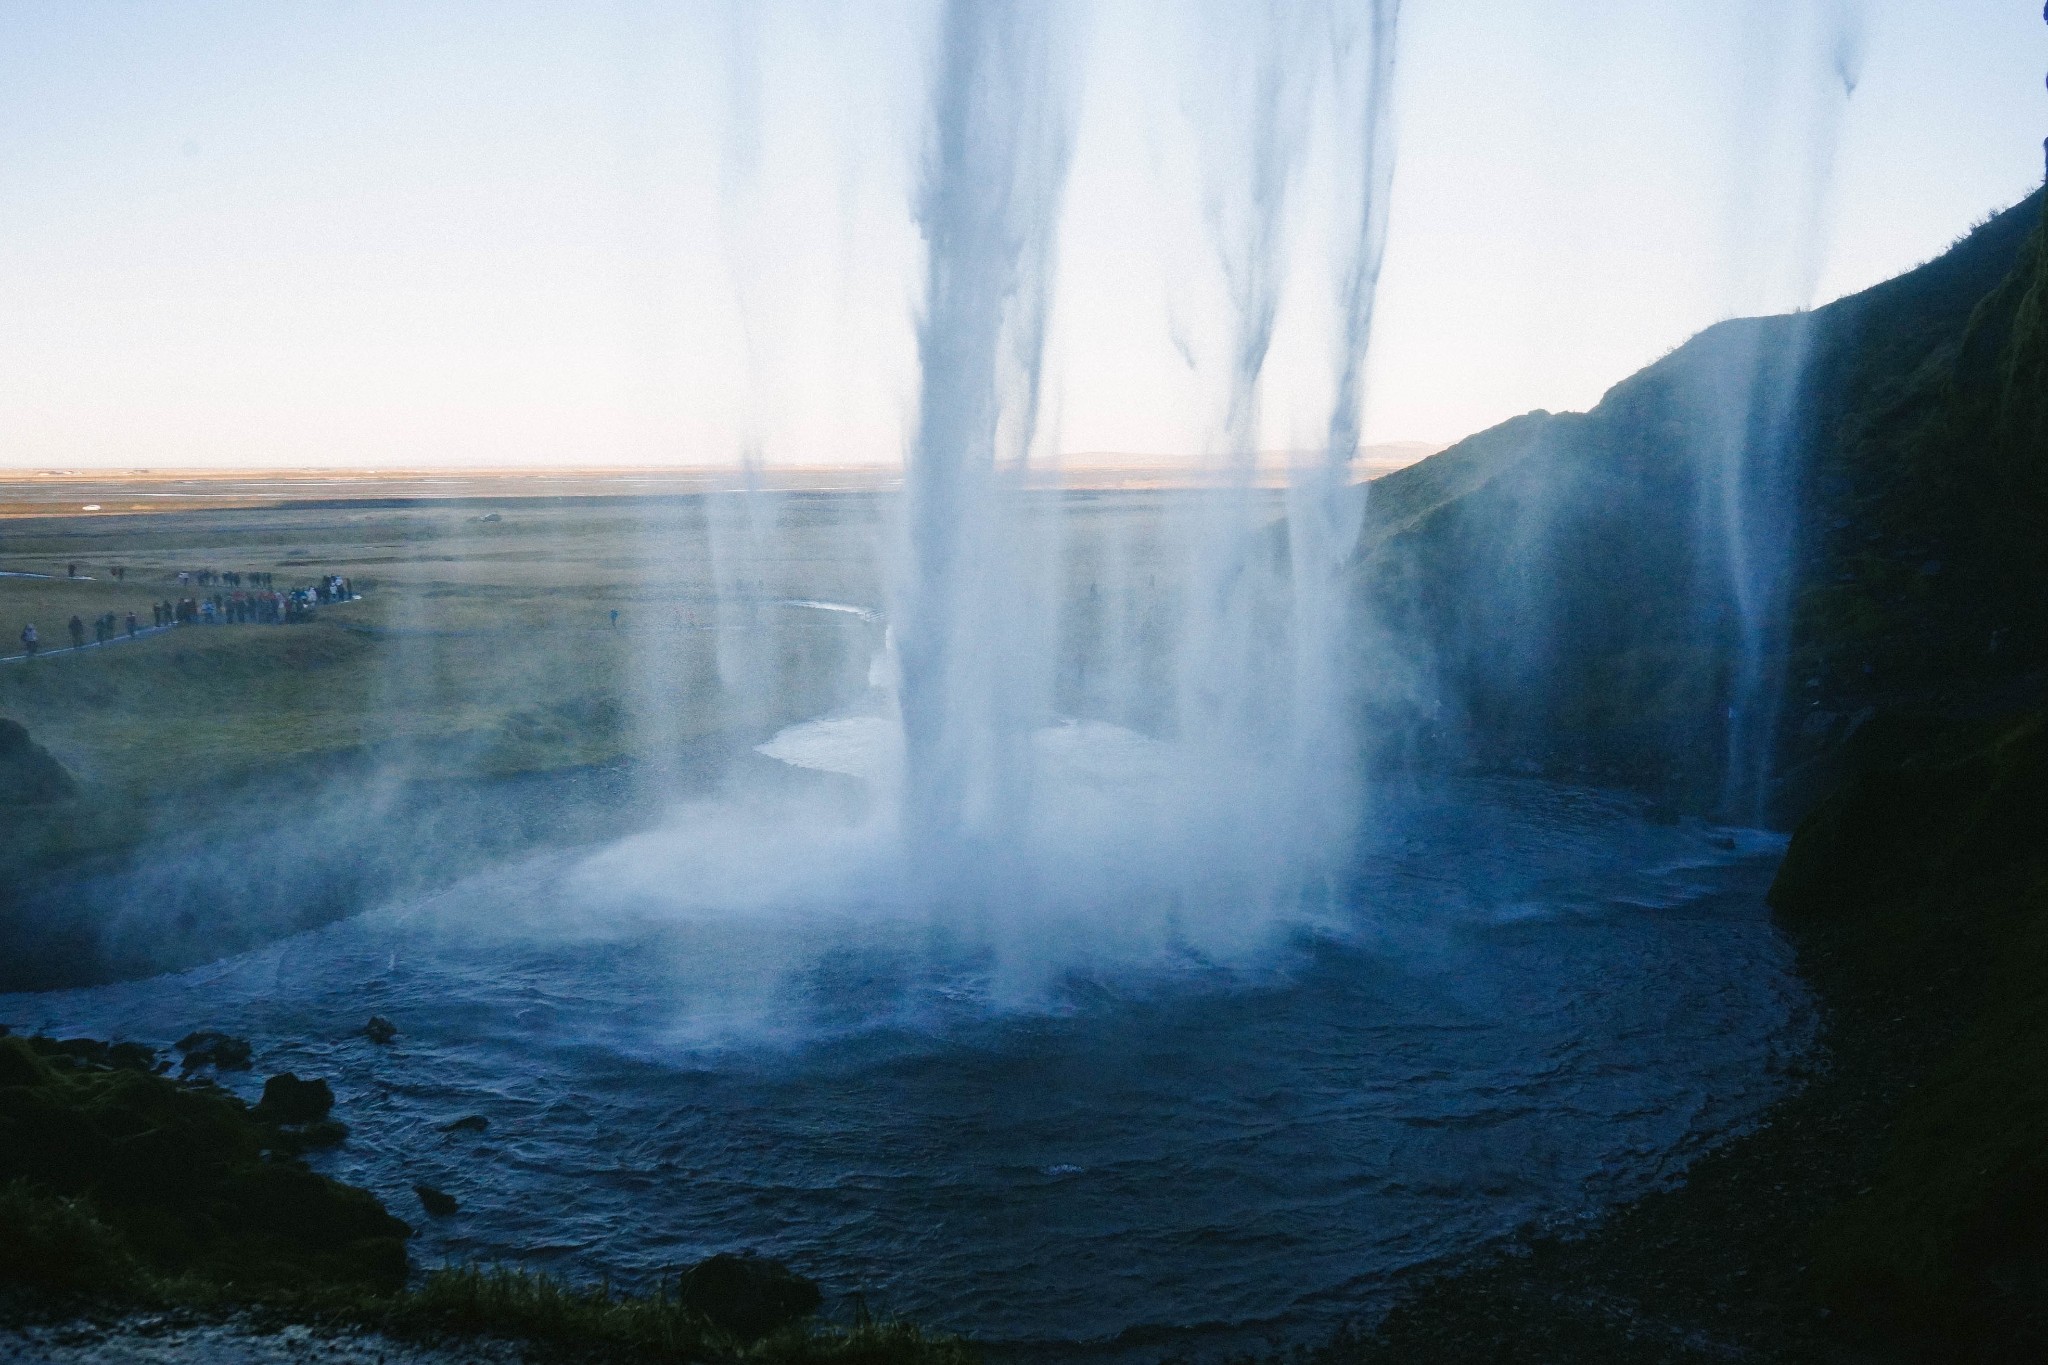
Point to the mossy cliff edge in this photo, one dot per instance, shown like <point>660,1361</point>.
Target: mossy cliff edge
<point>1554,596</point>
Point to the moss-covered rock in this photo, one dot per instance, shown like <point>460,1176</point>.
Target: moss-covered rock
<point>186,1177</point>
<point>747,1295</point>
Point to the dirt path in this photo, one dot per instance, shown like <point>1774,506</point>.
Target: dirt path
<point>55,650</point>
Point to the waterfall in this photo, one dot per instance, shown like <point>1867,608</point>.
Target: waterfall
<point>1259,724</point>
<point>1752,490</point>
<point>971,629</point>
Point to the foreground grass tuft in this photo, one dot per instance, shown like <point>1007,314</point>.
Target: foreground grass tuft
<point>54,1243</point>
<point>533,1306</point>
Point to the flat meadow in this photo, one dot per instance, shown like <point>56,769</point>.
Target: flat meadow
<point>482,641</point>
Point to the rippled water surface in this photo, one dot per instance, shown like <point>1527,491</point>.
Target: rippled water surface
<point>1536,1002</point>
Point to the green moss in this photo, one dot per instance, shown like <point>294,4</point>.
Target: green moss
<point>127,1187</point>
<point>188,1179</point>
<point>541,1308</point>
<point>50,1242</point>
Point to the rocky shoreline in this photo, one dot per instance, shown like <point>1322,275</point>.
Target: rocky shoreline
<point>1890,1209</point>
<point>151,1216</point>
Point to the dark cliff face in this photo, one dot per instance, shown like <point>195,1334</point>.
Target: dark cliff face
<point>1551,580</point>
<point>29,776</point>
<point>1558,590</point>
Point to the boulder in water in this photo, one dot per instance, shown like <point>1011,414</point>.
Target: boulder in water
<point>287,1099</point>
<point>208,1047</point>
<point>748,1295</point>
<point>380,1030</point>
<point>437,1203</point>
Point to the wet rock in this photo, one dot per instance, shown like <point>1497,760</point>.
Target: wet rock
<point>287,1099</point>
<point>29,776</point>
<point>90,1054</point>
<point>221,1051</point>
<point>747,1295</point>
<point>185,1179</point>
<point>437,1203</point>
<point>320,1133</point>
<point>380,1030</point>
<point>468,1123</point>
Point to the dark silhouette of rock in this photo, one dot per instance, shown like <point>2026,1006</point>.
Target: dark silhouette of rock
<point>380,1030</point>
<point>748,1295</point>
<point>319,1133</point>
<point>208,1047</point>
<point>176,1178</point>
<point>90,1054</point>
<point>438,1203</point>
<point>287,1099</point>
<point>468,1123</point>
<point>28,775</point>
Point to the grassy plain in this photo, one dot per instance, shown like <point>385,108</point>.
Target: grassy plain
<point>483,644</point>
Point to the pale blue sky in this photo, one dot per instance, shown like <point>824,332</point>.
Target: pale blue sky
<point>499,233</point>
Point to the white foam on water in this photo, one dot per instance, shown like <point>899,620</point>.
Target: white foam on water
<point>867,747</point>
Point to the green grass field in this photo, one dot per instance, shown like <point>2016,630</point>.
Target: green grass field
<point>479,646</point>
<point>465,628</point>
<point>483,642</point>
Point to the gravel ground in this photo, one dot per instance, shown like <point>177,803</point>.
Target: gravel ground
<point>149,1339</point>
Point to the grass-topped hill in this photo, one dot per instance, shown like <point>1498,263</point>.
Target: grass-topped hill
<point>1551,583</point>
<point>127,1188</point>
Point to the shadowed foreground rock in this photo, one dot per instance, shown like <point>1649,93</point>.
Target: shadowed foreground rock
<point>28,775</point>
<point>748,1295</point>
<point>113,1172</point>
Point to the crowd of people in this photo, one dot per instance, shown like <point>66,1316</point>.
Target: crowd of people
<point>238,598</point>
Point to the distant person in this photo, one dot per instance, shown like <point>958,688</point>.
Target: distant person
<point>615,618</point>
<point>71,571</point>
<point>77,633</point>
<point>133,625</point>
<point>29,642</point>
